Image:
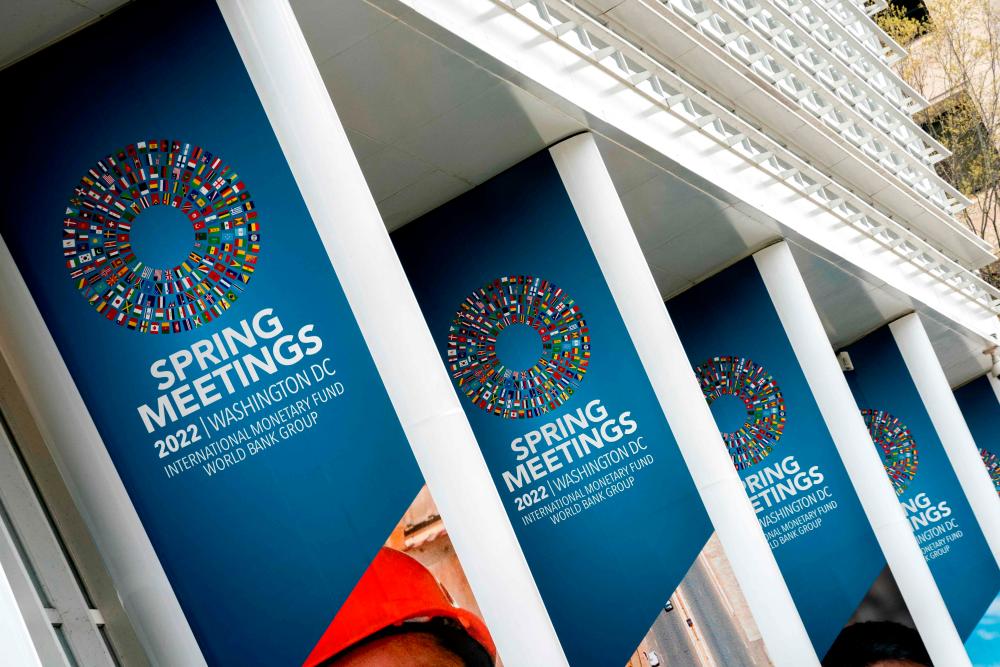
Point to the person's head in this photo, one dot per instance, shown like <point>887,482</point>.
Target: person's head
<point>436,643</point>
<point>877,644</point>
<point>398,614</point>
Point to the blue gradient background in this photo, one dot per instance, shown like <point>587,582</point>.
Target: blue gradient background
<point>262,555</point>
<point>967,575</point>
<point>605,573</point>
<point>731,314</point>
<point>981,410</point>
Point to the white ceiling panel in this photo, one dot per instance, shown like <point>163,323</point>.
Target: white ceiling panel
<point>355,21</point>
<point>628,170</point>
<point>961,357</point>
<point>29,25</point>
<point>825,277</point>
<point>857,309</point>
<point>425,194</point>
<point>663,208</point>
<point>428,124</point>
<point>488,133</point>
<point>362,145</point>
<point>708,248</point>
<point>669,283</point>
<point>396,80</point>
<point>101,7</point>
<point>390,170</point>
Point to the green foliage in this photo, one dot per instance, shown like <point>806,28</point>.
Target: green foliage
<point>954,61</point>
<point>974,164</point>
<point>902,24</point>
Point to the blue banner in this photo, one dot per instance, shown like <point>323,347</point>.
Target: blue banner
<point>926,484</point>
<point>159,230</point>
<point>578,446</point>
<point>781,447</point>
<point>981,409</point>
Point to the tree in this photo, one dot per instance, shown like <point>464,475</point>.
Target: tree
<point>954,62</point>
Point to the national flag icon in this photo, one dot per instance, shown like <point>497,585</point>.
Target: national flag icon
<point>119,188</point>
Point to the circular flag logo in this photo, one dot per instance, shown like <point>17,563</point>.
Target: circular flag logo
<point>198,192</point>
<point>992,462</point>
<point>765,407</point>
<point>543,342</point>
<point>895,445</point>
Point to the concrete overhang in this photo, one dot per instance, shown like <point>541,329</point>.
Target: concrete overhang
<point>430,116</point>
<point>702,61</point>
<point>429,121</point>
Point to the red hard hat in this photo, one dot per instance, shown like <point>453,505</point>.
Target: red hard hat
<point>394,589</point>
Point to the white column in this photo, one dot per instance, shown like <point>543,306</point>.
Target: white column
<point>15,641</point>
<point>314,142</point>
<point>614,243</point>
<point>936,394</point>
<point>84,463</point>
<point>854,444</point>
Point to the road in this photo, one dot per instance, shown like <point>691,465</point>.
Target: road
<point>672,640</point>
<point>723,642</point>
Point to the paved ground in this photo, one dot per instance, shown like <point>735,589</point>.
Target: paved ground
<point>720,635</point>
<point>671,639</point>
<point>714,624</point>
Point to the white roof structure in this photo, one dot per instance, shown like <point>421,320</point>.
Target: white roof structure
<point>727,124</point>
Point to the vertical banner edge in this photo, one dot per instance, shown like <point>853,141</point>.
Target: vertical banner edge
<point>481,532</point>
<point>716,479</point>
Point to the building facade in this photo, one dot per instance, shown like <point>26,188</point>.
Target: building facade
<point>778,130</point>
